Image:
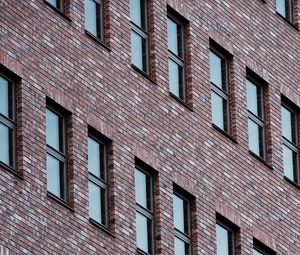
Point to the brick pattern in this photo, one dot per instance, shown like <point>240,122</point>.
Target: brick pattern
<point>56,59</point>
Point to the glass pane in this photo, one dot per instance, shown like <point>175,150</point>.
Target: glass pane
<point>135,12</point>
<point>95,202</point>
<point>54,175</point>
<point>52,130</point>
<point>216,76</point>
<point>288,162</point>
<point>180,247</point>
<point>95,154</point>
<point>255,252</point>
<point>280,7</point>
<point>138,51</point>
<point>217,107</point>
<point>252,98</point>
<point>173,37</point>
<point>141,188</point>
<point>4,97</point>
<point>174,77</point>
<point>91,17</point>
<point>222,241</point>
<point>254,137</point>
<point>287,123</point>
<point>54,3</point>
<point>178,213</point>
<point>4,144</point>
<point>142,232</point>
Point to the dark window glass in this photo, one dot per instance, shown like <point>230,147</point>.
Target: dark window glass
<point>290,143</point>
<point>182,225</point>
<point>176,44</point>
<point>7,123</point>
<point>219,89</point>
<point>94,18</point>
<point>56,153</point>
<point>59,4</point>
<point>285,9</point>
<point>98,187</point>
<point>144,211</point>
<point>256,119</point>
<point>225,236</point>
<point>139,34</point>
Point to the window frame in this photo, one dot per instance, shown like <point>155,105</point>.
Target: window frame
<point>262,248</point>
<point>224,94</point>
<point>260,121</point>
<point>184,237</point>
<point>11,124</point>
<point>101,183</point>
<point>294,147</point>
<point>144,34</point>
<point>149,214</point>
<point>100,22</point>
<point>179,60</point>
<point>289,11</point>
<point>232,230</point>
<point>60,6</point>
<point>61,156</point>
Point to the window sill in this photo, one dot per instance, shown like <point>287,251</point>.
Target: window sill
<point>181,102</point>
<point>100,226</point>
<point>11,170</point>
<point>59,201</point>
<point>140,252</point>
<point>97,40</point>
<point>58,11</point>
<point>260,160</point>
<point>296,185</point>
<point>287,21</point>
<point>224,133</point>
<point>141,72</point>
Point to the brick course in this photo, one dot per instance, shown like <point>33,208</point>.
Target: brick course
<point>55,58</point>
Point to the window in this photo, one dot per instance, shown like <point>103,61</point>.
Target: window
<point>256,117</point>
<point>290,142</point>
<point>225,236</point>
<point>139,34</point>
<point>176,47</point>
<point>94,21</point>
<point>98,186</point>
<point>144,211</point>
<point>261,249</point>
<point>285,9</point>
<point>219,89</point>
<point>56,152</point>
<point>7,122</point>
<point>182,224</point>
<point>58,4</point>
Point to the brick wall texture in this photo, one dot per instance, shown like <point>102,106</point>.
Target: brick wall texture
<point>55,58</point>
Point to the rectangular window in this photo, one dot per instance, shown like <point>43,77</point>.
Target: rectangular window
<point>139,34</point>
<point>256,117</point>
<point>176,62</point>
<point>94,18</point>
<point>144,211</point>
<point>285,9</point>
<point>225,236</point>
<point>7,122</point>
<point>56,152</point>
<point>290,142</point>
<point>58,4</point>
<point>98,184</point>
<point>219,89</point>
<point>261,249</point>
<point>182,224</point>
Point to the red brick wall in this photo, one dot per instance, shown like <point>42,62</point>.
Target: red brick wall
<point>55,58</point>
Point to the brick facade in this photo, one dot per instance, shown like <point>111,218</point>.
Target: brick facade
<point>53,57</point>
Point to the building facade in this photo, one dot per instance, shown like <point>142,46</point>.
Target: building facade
<point>149,127</point>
